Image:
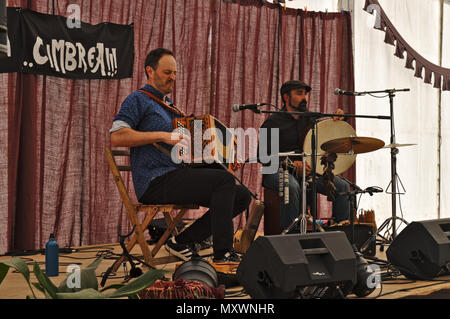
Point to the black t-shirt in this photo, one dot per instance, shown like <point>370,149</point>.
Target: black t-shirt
<point>292,132</point>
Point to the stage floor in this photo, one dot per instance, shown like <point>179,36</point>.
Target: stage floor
<point>14,285</point>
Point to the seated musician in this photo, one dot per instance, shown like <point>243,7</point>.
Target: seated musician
<point>292,132</point>
<point>145,119</point>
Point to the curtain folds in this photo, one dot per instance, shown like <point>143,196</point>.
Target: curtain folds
<point>55,178</point>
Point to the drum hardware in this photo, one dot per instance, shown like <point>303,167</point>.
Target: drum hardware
<point>303,219</point>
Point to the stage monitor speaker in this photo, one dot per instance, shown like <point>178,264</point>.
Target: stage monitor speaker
<point>309,266</point>
<point>3,29</point>
<point>362,233</point>
<point>422,249</point>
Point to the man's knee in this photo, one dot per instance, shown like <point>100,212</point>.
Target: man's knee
<point>243,195</point>
<point>224,178</point>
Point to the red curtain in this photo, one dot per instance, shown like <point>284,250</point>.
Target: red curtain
<point>54,175</point>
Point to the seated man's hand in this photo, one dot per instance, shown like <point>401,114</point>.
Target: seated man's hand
<point>299,168</point>
<point>182,146</point>
<point>339,112</point>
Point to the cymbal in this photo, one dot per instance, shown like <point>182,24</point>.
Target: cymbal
<point>398,145</point>
<point>353,145</point>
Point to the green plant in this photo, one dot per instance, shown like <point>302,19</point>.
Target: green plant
<point>88,288</point>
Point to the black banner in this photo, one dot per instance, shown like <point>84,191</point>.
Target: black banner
<point>45,44</point>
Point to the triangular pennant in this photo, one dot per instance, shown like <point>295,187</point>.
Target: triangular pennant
<point>409,61</point>
<point>389,38</point>
<point>428,74</point>
<point>446,86</point>
<point>419,68</point>
<point>437,80</point>
<point>399,50</point>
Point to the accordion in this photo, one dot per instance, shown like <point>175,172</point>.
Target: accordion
<point>212,143</point>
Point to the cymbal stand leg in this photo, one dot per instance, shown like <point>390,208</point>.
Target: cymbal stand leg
<point>314,173</point>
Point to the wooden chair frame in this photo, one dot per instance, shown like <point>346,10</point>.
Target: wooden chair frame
<point>151,211</point>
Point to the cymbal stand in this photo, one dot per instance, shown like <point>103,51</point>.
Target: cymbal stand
<point>394,176</point>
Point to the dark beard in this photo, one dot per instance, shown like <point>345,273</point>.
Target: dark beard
<point>302,106</point>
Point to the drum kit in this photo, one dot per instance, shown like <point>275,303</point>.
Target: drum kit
<point>340,138</point>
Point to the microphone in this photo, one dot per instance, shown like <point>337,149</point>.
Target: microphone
<point>241,107</point>
<point>342,92</point>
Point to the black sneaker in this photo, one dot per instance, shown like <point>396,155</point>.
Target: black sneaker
<point>229,257</point>
<point>180,250</point>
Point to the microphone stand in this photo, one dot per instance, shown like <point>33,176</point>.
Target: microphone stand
<point>394,152</point>
<point>314,116</point>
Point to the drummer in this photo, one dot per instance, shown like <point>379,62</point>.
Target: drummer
<point>292,132</point>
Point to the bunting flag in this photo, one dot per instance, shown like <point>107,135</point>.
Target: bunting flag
<point>424,69</point>
<point>46,44</point>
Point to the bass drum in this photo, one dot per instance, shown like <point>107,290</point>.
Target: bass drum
<point>328,130</point>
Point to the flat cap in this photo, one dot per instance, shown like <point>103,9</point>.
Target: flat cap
<point>293,84</point>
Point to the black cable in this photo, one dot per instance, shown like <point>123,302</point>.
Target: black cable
<point>412,288</point>
<point>378,97</point>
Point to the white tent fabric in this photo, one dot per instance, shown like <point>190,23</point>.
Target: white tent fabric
<point>421,116</point>
<point>445,119</point>
<point>416,113</point>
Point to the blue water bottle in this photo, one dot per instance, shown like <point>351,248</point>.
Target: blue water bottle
<point>51,257</point>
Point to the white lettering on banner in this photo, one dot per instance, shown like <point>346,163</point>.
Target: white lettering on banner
<point>65,56</point>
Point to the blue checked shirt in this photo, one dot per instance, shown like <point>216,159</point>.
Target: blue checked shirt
<point>141,113</point>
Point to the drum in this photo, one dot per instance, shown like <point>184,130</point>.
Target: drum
<point>328,130</point>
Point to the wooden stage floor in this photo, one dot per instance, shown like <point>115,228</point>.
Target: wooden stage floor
<point>14,285</point>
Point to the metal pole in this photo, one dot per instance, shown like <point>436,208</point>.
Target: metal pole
<point>394,152</point>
